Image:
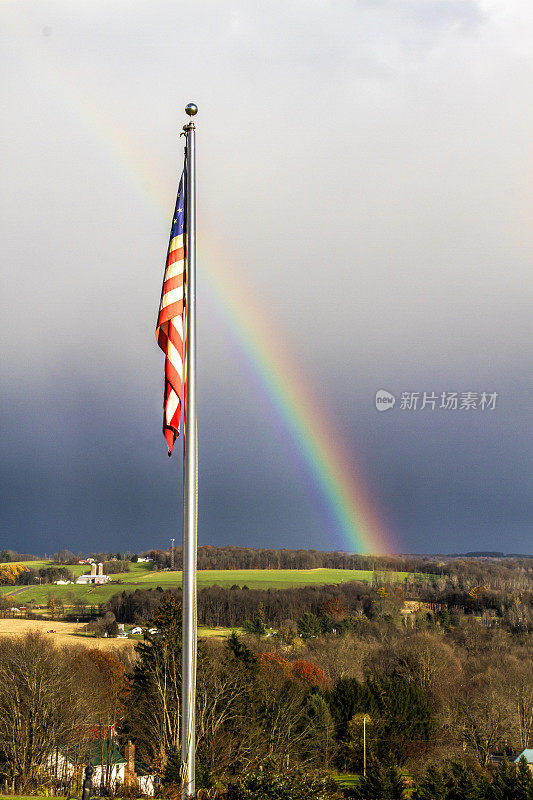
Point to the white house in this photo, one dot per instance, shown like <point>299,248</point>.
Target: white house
<point>109,765</point>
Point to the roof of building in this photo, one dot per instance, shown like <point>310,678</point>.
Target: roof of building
<point>105,752</point>
<point>99,755</point>
<point>528,754</point>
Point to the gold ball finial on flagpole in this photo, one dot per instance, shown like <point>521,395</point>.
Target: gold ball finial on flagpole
<point>191,109</point>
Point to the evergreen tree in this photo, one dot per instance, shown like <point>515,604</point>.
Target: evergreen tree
<point>241,652</point>
<point>466,784</point>
<point>167,617</point>
<point>172,771</point>
<point>444,618</point>
<point>326,623</point>
<point>504,783</point>
<point>404,707</point>
<point>320,730</point>
<point>524,781</point>
<point>255,625</point>
<point>434,785</point>
<point>511,783</point>
<point>381,783</point>
<point>153,718</point>
<point>347,698</point>
<point>453,782</point>
<point>309,626</point>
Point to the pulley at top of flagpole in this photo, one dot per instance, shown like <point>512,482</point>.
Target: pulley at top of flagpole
<point>191,109</point>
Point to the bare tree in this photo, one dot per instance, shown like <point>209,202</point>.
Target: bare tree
<point>39,705</point>
<point>484,713</point>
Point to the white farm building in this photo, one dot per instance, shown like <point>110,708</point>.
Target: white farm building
<point>96,575</point>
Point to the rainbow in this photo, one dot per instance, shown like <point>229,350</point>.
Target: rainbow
<point>358,525</point>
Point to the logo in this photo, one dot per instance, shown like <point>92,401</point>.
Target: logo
<point>384,400</point>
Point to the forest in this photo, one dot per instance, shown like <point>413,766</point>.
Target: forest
<point>442,694</point>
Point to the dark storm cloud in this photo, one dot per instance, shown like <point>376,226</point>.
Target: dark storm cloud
<point>450,478</point>
<point>361,171</point>
<point>94,474</point>
<point>90,474</point>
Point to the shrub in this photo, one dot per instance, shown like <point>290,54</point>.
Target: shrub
<point>295,786</point>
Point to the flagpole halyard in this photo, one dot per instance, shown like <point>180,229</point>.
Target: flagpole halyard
<point>190,479</point>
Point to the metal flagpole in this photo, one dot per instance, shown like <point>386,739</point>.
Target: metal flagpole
<point>190,481</point>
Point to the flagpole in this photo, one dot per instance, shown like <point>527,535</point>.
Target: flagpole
<point>190,481</point>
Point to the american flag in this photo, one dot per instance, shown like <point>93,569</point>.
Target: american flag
<point>169,329</point>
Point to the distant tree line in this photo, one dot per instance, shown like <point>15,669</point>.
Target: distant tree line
<point>11,555</point>
<point>218,606</point>
<point>480,570</point>
<point>344,603</point>
<point>490,569</point>
<point>18,575</point>
<point>229,557</point>
<point>116,566</point>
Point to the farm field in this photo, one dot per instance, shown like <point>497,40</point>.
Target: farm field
<point>72,633</point>
<point>141,576</point>
<point>65,633</point>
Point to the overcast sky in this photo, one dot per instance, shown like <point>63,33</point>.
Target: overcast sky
<point>364,175</point>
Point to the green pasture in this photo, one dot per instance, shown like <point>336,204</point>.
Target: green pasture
<point>76,569</point>
<point>141,576</point>
<point>347,780</point>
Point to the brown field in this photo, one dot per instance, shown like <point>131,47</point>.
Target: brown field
<point>67,633</point>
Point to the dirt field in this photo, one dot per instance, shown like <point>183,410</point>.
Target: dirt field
<point>66,633</point>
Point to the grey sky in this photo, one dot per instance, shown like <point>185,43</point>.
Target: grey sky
<point>364,169</point>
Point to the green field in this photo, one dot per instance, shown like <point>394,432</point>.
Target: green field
<point>347,780</point>
<point>141,576</point>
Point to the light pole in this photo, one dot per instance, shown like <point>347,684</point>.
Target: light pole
<point>172,554</point>
<point>364,746</point>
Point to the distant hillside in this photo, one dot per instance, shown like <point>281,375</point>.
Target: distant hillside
<point>488,554</point>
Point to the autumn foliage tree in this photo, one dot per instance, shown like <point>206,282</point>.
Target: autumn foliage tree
<point>10,572</point>
<point>360,733</point>
<point>104,669</point>
<point>107,690</point>
<point>309,674</point>
<point>273,661</point>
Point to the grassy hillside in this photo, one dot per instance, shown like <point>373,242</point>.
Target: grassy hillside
<point>141,576</point>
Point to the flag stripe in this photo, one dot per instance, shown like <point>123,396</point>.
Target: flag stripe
<point>175,269</point>
<point>172,297</point>
<point>171,312</point>
<point>176,241</point>
<point>176,254</point>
